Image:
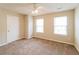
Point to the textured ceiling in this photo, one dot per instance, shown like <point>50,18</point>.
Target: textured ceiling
<point>43,8</point>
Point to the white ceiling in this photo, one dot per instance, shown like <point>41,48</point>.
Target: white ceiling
<point>43,8</point>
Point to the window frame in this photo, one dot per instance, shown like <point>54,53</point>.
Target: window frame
<point>37,25</point>
<point>60,26</point>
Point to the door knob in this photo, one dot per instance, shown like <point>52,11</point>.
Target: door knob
<point>8,31</point>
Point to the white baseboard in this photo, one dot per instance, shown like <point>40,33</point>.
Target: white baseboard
<point>76,48</point>
<point>6,43</point>
<point>56,41</point>
<point>3,44</point>
<point>9,42</point>
<point>42,38</point>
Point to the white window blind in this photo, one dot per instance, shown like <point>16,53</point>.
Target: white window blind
<point>40,25</point>
<point>60,25</point>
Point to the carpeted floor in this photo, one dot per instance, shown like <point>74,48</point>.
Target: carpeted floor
<point>36,46</point>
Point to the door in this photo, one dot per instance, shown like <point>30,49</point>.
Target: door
<point>12,28</point>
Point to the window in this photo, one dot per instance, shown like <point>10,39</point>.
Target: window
<point>60,25</point>
<point>39,25</point>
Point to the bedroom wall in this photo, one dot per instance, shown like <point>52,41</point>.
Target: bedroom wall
<point>77,28</point>
<point>3,25</point>
<point>48,27</point>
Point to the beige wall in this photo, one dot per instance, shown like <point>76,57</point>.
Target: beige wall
<point>48,28</point>
<point>22,25</point>
<point>3,25</point>
<point>77,28</point>
<point>26,26</point>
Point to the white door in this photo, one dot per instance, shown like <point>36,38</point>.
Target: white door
<point>12,28</point>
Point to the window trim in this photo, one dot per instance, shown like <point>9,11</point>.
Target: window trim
<point>36,25</point>
<point>66,26</point>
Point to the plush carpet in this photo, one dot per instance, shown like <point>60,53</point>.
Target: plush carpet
<point>37,46</point>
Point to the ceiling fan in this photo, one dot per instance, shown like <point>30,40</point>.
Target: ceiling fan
<point>35,9</point>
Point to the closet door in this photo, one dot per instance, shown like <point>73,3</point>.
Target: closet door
<point>12,28</point>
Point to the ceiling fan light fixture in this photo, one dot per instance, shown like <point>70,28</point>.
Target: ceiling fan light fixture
<point>35,12</point>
